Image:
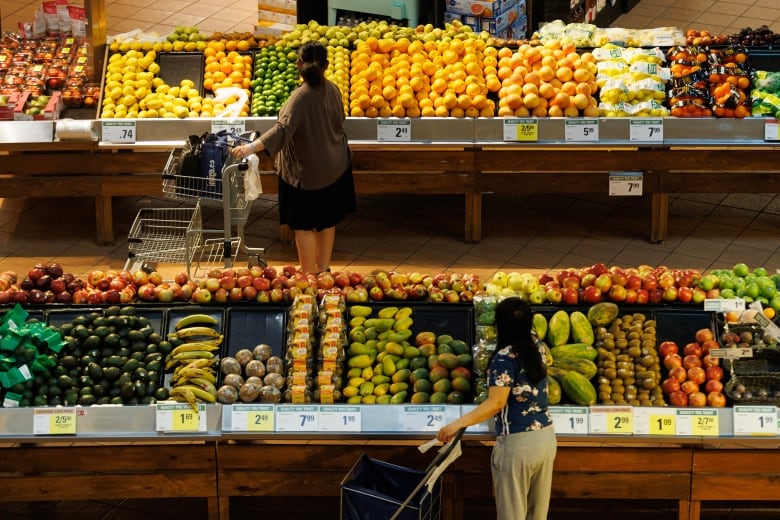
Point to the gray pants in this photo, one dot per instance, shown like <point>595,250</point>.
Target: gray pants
<point>522,468</point>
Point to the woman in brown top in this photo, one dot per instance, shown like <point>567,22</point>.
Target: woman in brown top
<point>313,160</point>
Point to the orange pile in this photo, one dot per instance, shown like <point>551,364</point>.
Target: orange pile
<point>540,81</point>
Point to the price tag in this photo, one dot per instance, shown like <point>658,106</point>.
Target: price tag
<point>180,418</point>
<point>582,130</point>
<point>253,417</point>
<point>297,418</point>
<point>570,419</point>
<point>731,353</point>
<point>423,418</point>
<point>394,130</point>
<point>521,129</point>
<point>697,422</point>
<point>771,130</point>
<point>340,419</point>
<point>231,126</point>
<point>654,421</point>
<point>623,184</point>
<point>618,420</point>
<point>647,130</point>
<point>118,132</point>
<point>54,421</point>
<point>724,304</point>
<point>755,420</point>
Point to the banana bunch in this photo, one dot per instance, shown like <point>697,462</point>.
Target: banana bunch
<point>378,355</point>
<point>193,358</point>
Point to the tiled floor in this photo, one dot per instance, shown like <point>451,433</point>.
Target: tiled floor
<point>421,233</point>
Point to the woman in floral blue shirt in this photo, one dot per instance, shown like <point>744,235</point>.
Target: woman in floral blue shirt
<point>522,459</point>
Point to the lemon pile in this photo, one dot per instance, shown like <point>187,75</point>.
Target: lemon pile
<point>338,72</point>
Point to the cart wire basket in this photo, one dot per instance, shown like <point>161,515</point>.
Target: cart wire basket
<point>209,191</point>
<point>164,235</point>
<point>377,490</point>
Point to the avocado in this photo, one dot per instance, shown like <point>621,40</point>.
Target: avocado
<point>86,400</point>
<point>112,373</point>
<point>95,371</point>
<point>113,311</point>
<point>103,400</point>
<point>115,361</point>
<point>127,311</point>
<point>127,390</point>
<point>131,365</point>
<point>64,382</point>
<point>140,389</point>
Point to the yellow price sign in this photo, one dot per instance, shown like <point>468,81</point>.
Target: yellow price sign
<point>704,425</point>
<point>526,130</point>
<point>622,422</point>
<point>260,421</point>
<point>185,420</point>
<point>662,424</point>
<point>62,424</point>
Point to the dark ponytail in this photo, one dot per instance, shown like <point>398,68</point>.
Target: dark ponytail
<point>313,58</point>
<point>513,328</point>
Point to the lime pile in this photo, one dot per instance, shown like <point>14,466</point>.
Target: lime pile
<point>276,75</point>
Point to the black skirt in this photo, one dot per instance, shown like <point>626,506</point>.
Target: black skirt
<point>317,209</point>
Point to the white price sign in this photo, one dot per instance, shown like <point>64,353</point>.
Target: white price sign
<point>755,420</point>
<point>340,419</point>
<point>655,421</point>
<point>180,418</point>
<point>625,184</point>
<point>253,417</point>
<point>231,126</point>
<point>394,130</point>
<point>521,129</point>
<point>647,130</point>
<point>771,130</point>
<point>731,353</point>
<point>54,421</point>
<point>118,132</point>
<point>582,130</point>
<point>424,418</point>
<point>570,420</point>
<point>703,423</point>
<point>724,304</point>
<point>297,418</point>
<point>617,420</point>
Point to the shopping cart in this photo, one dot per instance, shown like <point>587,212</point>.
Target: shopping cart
<point>177,235</point>
<point>374,490</point>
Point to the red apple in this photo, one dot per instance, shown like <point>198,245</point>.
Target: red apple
<point>355,279</point>
<point>277,295</point>
<point>642,296</point>
<point>716,399</point>
<point>691,361</point>
<point>703,335</point>
<point>666,281</point>
<point>341,279</point>
<point>713,294</point>
<point>165,294</point>
<point>58,285</point>
<point>634,281</point>
<point>713,385</point>
<point>263,297</point>
<point>212,284</point>
<point>79,296</point>
<point>598,268</point>
<point>699,295</point>
<point>670,385</point>
<point>678,373</point>
<point>227,282</point>
<point>261,283</point>
<point>325,281</point>
<point>155,277</point>
<point>201,295</point>
<point>709,361</point>
<point>249,293</point>
<point>619,276</point>
<point>96,297</point>
<point>269,272</point>
<point>656,296</point>
<point>685,294</point>
<point>713,372</point>
<point>570,296</point>
<point>236,294</point>
<point>697,375</point>
<point>588,279</point>
<point>245,280</point>
<point>554,295</point>
<point>632,296</point>
<point>692,348</point>
<point>545,278</point>
<point>147,293</point>
<point>649,282</point>
<point>36,272</point>
<point>140,278</point>
<point>678,399</point>
<point>689,387</point>
<point>672,360</point>
<point>289,270</point>
<point>126,295</point>
<point>571,281</point>
<point>668,347</point>
<point>697,399</point>
<point>221,295</point>
<point>591,294</point>
<point>242,271</point>
<point>376,294</point>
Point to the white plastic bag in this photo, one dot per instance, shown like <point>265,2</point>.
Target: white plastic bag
<point>253,188</point>
<point>237,97</point>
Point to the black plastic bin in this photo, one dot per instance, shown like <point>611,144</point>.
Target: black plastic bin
<point>375,490</point>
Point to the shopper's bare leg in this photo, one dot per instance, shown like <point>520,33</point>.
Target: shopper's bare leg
<point>325,240</point>
<point>306,243</point>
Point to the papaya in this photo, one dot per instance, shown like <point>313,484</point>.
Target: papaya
<point>548,355</point>
<point>360,310</point>
<point>602,314</point>
<point>558,329</point>
<point>553,390</point>
<point>540,325</point>
<point>576,351</point>
<point>585,367</point>
<point>556,373</point>
<point>581,329</point>
<point>388,313</point>
<point>578,388</point>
